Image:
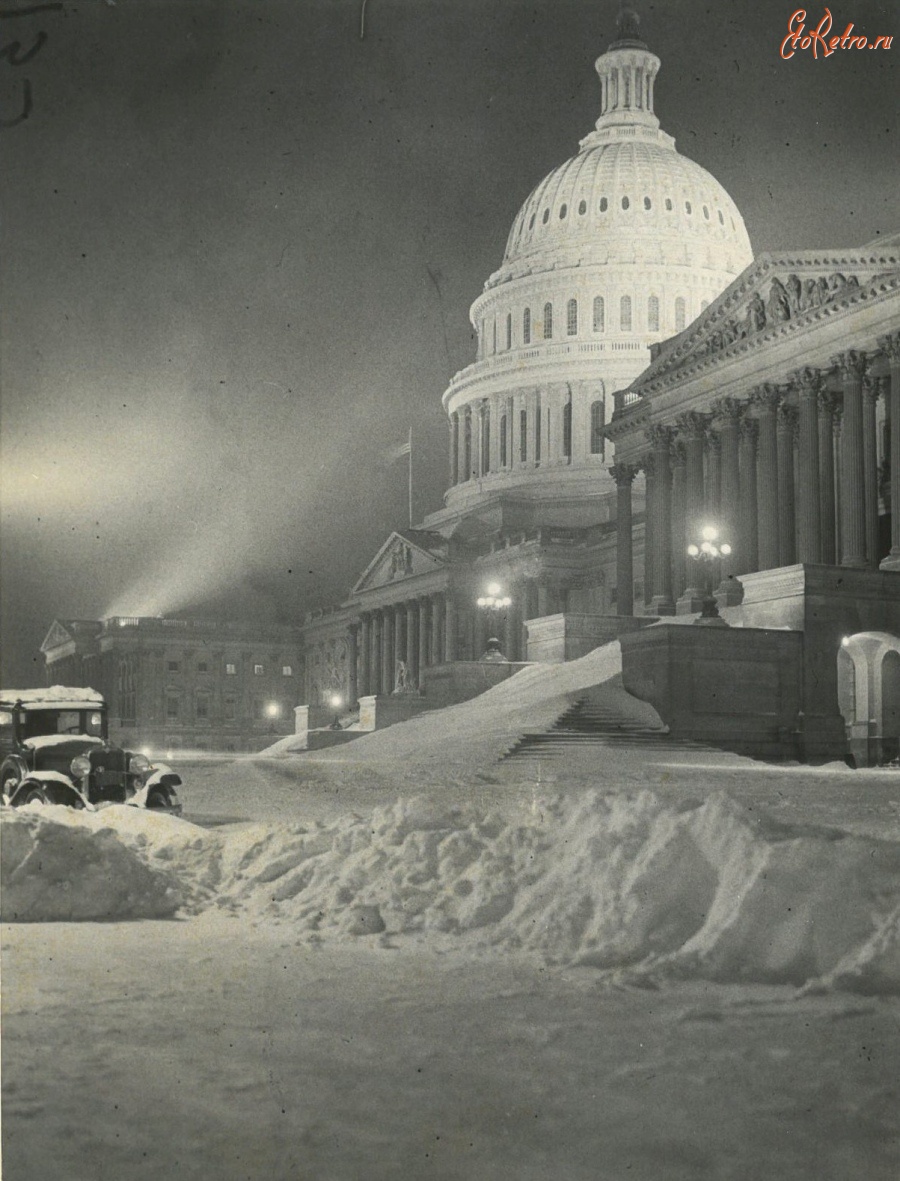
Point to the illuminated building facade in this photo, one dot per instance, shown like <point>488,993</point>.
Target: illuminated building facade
<point>176,684</point>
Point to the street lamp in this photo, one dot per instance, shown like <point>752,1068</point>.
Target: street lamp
<point>493,602</point>
<point>705,554</point>
<point>336,701</point>
<point>273,711</point>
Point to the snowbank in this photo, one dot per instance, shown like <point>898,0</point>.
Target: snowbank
<point>618,883</point>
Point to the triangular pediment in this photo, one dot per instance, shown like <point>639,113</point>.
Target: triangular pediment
<point>58,635</point>
<point>774,292</point>
<point>400,557</point>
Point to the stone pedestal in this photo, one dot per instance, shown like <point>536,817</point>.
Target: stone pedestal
<point>553,639</point>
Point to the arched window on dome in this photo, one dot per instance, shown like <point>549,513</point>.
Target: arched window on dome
<point>679,314</point>
<point>503,450</point>
<point>526,326</point>
<point>648,204</point>
<point>721,218</point>
<point>572,317</point>
<point>508,331</point>
<point>599,314</point>
<point>548,321</point>
<point>669,204</point>
<point>598,442</point>
<point>604,204</point>
<point>653,314</point>
<point>625,313</point>
<point>567,428</point>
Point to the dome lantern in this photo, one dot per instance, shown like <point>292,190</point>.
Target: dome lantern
<point>627,72</point>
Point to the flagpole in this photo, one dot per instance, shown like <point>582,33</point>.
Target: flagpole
<point>410,479</point>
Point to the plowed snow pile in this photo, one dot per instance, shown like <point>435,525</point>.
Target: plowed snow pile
<point>622,882</point>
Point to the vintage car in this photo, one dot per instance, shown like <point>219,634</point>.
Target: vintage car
<point>55,750</point>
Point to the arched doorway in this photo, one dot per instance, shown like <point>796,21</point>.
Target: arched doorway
<point>868,674</point>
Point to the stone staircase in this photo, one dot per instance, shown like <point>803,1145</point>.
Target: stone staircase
<point>591,725</point>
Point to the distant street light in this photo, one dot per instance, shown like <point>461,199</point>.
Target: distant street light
<point>336,701</point>
<point>705,554</point>
<point>493,603</point>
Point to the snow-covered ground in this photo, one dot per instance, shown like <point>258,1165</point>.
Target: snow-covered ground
<point>403,959</point>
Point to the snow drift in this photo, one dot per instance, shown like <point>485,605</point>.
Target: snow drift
<point>618,883</point>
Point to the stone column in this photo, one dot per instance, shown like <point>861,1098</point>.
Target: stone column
<point>891,346</point>
<point>809,385</point>
<point>450,627</point>
<point>647,463</point>
<point>477,440</point>
<point>422,629</point>
<point>661,601</point>
<point>749,532</point>
<point>727,414</point>
<point>352,665</point>
<point>437,629</point>
<point>713,481</point>
<point>766,399</point>
<point>399,640</point>
<point>387,649</point>
<point>544,605</point>
<point>836,423</point>
<point>531,412</point>
<point>678,462</point>
<point>871,390</point>
<point>377,684</point>
<point>454,448</point>
<point>412,642</point>
<point>826,475</point>
<point>365,650</point>
<point>787,527</point>
<point>851,366</point>
<point>623,474</point>
<point>496,406</point>
<point>692,427</point>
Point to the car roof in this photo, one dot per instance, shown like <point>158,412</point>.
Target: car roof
<point>54,697</point>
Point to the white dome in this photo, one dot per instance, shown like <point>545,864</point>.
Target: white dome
<point>621,246</point>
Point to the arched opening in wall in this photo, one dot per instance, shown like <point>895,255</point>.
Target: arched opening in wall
<point>653,314</point>
<point>572,317</point>
<point>599,313</point>
<point>548,321</point>
<point>598,442</point>
<point>890,705</point>
<point>526,326</point>
<point>503,447</point>
<point>680,312</point>
<point>567,428</point>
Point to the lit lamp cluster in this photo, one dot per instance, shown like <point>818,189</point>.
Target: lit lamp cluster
<point>494,599</point>
<point>705,554</point>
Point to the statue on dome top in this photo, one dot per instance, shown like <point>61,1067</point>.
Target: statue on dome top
<point>628,26</point>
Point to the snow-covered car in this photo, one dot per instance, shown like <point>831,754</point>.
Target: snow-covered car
<point>55,749</point>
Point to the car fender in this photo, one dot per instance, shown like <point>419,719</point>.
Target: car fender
<point>60,789</point>
<point>162,775</point>
<point>13,765</point>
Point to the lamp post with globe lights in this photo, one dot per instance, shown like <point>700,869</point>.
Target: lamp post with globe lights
<point>706,554</point>
<point>336,701</point>
<point>494,603</point>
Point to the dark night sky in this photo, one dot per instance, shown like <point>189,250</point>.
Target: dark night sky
<point>240,245</point>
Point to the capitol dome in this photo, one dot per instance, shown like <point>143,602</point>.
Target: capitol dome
<point>621,246</point>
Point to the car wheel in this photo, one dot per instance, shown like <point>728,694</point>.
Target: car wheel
<point>36,795</point>
<point>156,799</point>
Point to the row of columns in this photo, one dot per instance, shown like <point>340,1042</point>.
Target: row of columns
<point>789,475</point>
<point>501,432</point>
<point>413,634</point>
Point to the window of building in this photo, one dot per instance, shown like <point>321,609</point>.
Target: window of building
<point>648,204</point>
<point>526,326</point>
<point>582,208</point>
<point>706,212</point>
<point>523,435</point>
<point>687,208</point>
<point>486,440</point>
<point>669,204</point>
<point>679,314</point>
<point>509,330</point>
<point>548,321</point>
<point>202,667</point>
<point>572,317</point>
<point>599,313</point>
<point>201,707</point>
<point>604,205</point>
<point>625,313</point>
<point>567,429</point>
<point>258,670</point>
<point>174,666</point>
<point>287,670</point>
<point>653,314</point>
<point>228,709</point>
<point>467,444</point>
<point>494,341</point>
<point>531,222</point>
<point>127,693</point>
<point>597,422</point>
<point>721,218</point>
<point>171,706</point>
<point>563,210</point>
<point>503,456</point>
<point>546,216</point>
<point>625,203</point>
<point>537,429</point>
<point>231,670</point>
